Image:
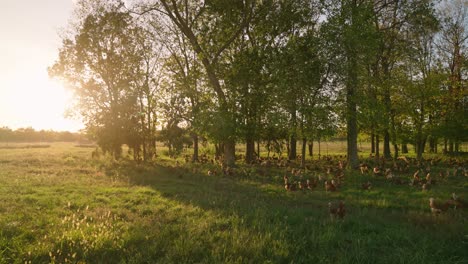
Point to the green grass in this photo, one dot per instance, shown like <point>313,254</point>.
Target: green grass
<point>57,205</point>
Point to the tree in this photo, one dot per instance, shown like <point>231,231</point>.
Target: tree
<point>97,61</point>
<point>451,46</point>
<point>350,29</point>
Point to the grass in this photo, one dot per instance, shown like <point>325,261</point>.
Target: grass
<point>57,205</point>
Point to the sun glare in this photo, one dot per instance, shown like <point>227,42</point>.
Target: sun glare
<point>39,102</point>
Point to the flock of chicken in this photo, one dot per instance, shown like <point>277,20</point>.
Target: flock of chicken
<point>337,209</point>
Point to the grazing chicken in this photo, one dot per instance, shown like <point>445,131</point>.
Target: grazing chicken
<point>320,178</point>
<point>330,186</point>
<point>429,179</point>
<point>388,172</point>
<point>389,175</point>
<point>227,171</point>
<point>337,210</point>
<point>211,173</point>
<point>288,186</point>
<point>367,186</point>
<point>377,171</point>
<point>301,185</point>
<point>457,202</point>
<point>364,168</point>
<point>437,208</point>
<point>416,176</point>
<point>425,187</point>
<point>311,184</point>
<point>341,165</point>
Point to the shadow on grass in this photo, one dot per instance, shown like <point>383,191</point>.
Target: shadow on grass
<point>299,221</point>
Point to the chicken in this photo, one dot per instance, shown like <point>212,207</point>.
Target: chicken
<point>227,171</point>
<point>311,184</point>
<point>337,210</point>
<point>367,185</point>
<point>437,208</point>
<point>416,176</point>
<point>425,187</point>
<point>364,168</point>
<point>288,186</point>
<point>330,186</point>
<point>377,171</point>
<point>389,176</point>
<point>429,179</point>
<point>301,185</point>
<point>457,202</point>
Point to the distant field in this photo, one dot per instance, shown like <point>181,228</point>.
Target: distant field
<point>57,205</point>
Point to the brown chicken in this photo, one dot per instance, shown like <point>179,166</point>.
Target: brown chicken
<point>364,168</point>
<point>425,187</point>
<point>330,186</point>
<point>287,185</point>
<point>366,186</point>
<point>457,202</point>
<point>429,179</point>
<point>377,171</point>
<point>437,208</point>
<point>337,210</point>
<point>311,184</point>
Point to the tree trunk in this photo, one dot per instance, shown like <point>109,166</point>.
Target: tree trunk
<point>319,148</point>
<point>386,146</point>
<point>351,91</point>
<point>395,149</point>
<point>432,144</point>
<point>195,147</point>
<point>258,149</point>
<point>293,148</point>
<point>311,148</point>
<point>250,150</point>
<point>372,143</point>
<point>303,154</point>
<point>229,152</point>
<point>377,147</point>
<point>404,148</point>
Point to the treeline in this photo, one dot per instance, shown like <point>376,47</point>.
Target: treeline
<point>30,135</point>
<point>274,72</point>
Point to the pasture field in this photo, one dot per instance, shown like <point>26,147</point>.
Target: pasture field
<point>58,205</point>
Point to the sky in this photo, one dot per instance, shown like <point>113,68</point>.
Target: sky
<point>29,43</point>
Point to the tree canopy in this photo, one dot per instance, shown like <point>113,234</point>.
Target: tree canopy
<point>271,71</point>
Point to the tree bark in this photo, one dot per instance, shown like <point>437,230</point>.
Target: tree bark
<point>372,143</point>
<point>377,147</point>
<point>229,152</point>
<point>386,147</point>
<point>195,147</point>
<point>292,148</point>
<point>303,154</point>
<point>404,148</point>
<point>250,150</point>
<point>311,148</point>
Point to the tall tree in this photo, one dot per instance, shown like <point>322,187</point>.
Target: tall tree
<point>211,27</point>
<point>452,51</point>
<point>350,28</point>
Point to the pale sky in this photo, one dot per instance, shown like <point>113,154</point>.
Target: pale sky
<point>29,43</point>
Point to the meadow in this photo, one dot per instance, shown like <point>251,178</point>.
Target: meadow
<point>59,205</point>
